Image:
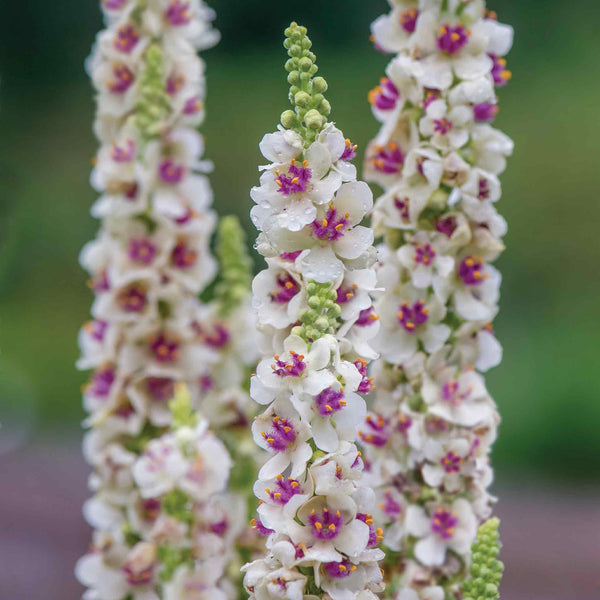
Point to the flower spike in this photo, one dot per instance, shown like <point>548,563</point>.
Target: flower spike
<point>311,108</point>
<point>316,318</point>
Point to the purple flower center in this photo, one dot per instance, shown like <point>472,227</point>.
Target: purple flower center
<point>133,298</point>
<point>379,431</point>
<point>404,423</point>
<point>192,106</point>
<point>444,522</point>
<point>296,180</point>
<point>408,20</point>
<point>451,462</point>
<point>366,384</point>
<point>294,368</point>
<point>452,38</point>
<point>499,71</point>
<point>130,190</point>
<point>287,288</point>
<point>171,172</point>
<point>138,577</point>
<point>260,528</point>
<point>174,84</point>
<point>388,159</point>
<point>330,401</point>
<point>484,189</point>
<point>447,226</point>
<point>165,347</point>
<point>206,383</point>
<point>389,506</point>
<point>101,382</point>
<point>121,155</point>
<point>113,4</point>
<point>451,394</point>
<point>366,317</point>
<point>442,126</point>
<point>424,254</point>
<point>96,329</point>
<point>183,257</point>
<point>281,435</point>
<point>285,490</point>
<point>331,227</point>
<point>160,388</point>
<point>485,112</point>
<point>326,524</point>
<point>410,317</point>
<point>385,96</point>
<point>349,151</point>
<point>150,509</point>
<point>126,39</point>
<point>291,256</point>
<point>142,250</point>
<point>345,294</point>
<point>431,96</point>
<point>218,338</point>
<point>220,527</point>
<point>178,13</point>
<point>402,205</point>
<point>375,535</point>
<point>122,79</point>
<point>339,570</point>
<point>100,282</point>
<point>470,271</point>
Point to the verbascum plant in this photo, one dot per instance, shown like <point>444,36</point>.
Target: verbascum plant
<point>316,318</point>
<point>165,523</point>
<point>437,158</point>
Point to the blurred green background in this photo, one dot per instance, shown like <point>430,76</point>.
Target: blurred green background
<point>547,388</point>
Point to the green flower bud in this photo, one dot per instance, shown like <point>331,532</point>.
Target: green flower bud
<point>486,569</point>
<point>181,408</point>
<point>236,266</point>
<point>306,94</point>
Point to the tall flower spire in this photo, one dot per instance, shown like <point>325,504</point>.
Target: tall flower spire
<point>437,158</point>
<point>164,523</point>
<point>316,319</point>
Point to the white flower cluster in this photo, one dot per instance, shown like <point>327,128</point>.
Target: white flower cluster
<point>150,332</point>
<point>177,536</point>
<point>437,157</point>
<point>316,319</point>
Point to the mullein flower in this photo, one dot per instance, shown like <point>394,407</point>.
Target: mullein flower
<point>321,537</point>
<point>165,524</point>
<point>437,157</point>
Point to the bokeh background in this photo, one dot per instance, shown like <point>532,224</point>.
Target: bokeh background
<point>548,386</point>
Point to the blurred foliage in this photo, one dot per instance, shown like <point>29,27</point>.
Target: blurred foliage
<point>547,387</point>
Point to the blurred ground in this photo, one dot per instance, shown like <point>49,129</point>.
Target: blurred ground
<point>551,536</point>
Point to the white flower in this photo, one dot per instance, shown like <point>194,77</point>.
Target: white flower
<point>441,528</point>
<point>422,256</point>
<point>277,296</point>
<point>429,593</point>
<point>298,370</point>
<point>446,127</point>
<point>337,472</point>
<point>392,32</point>
<point>329,526</point>
<point>407,318</point>
<point>448,462</point>
<point>461,399</point>
<point>281,432</point>
<point>197,584</point>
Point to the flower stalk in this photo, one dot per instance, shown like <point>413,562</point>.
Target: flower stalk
<point>437,158</point>
<point>164,522</point>
<point>315,319</point>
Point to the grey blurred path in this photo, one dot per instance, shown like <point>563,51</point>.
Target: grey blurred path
<point>551,535</point>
